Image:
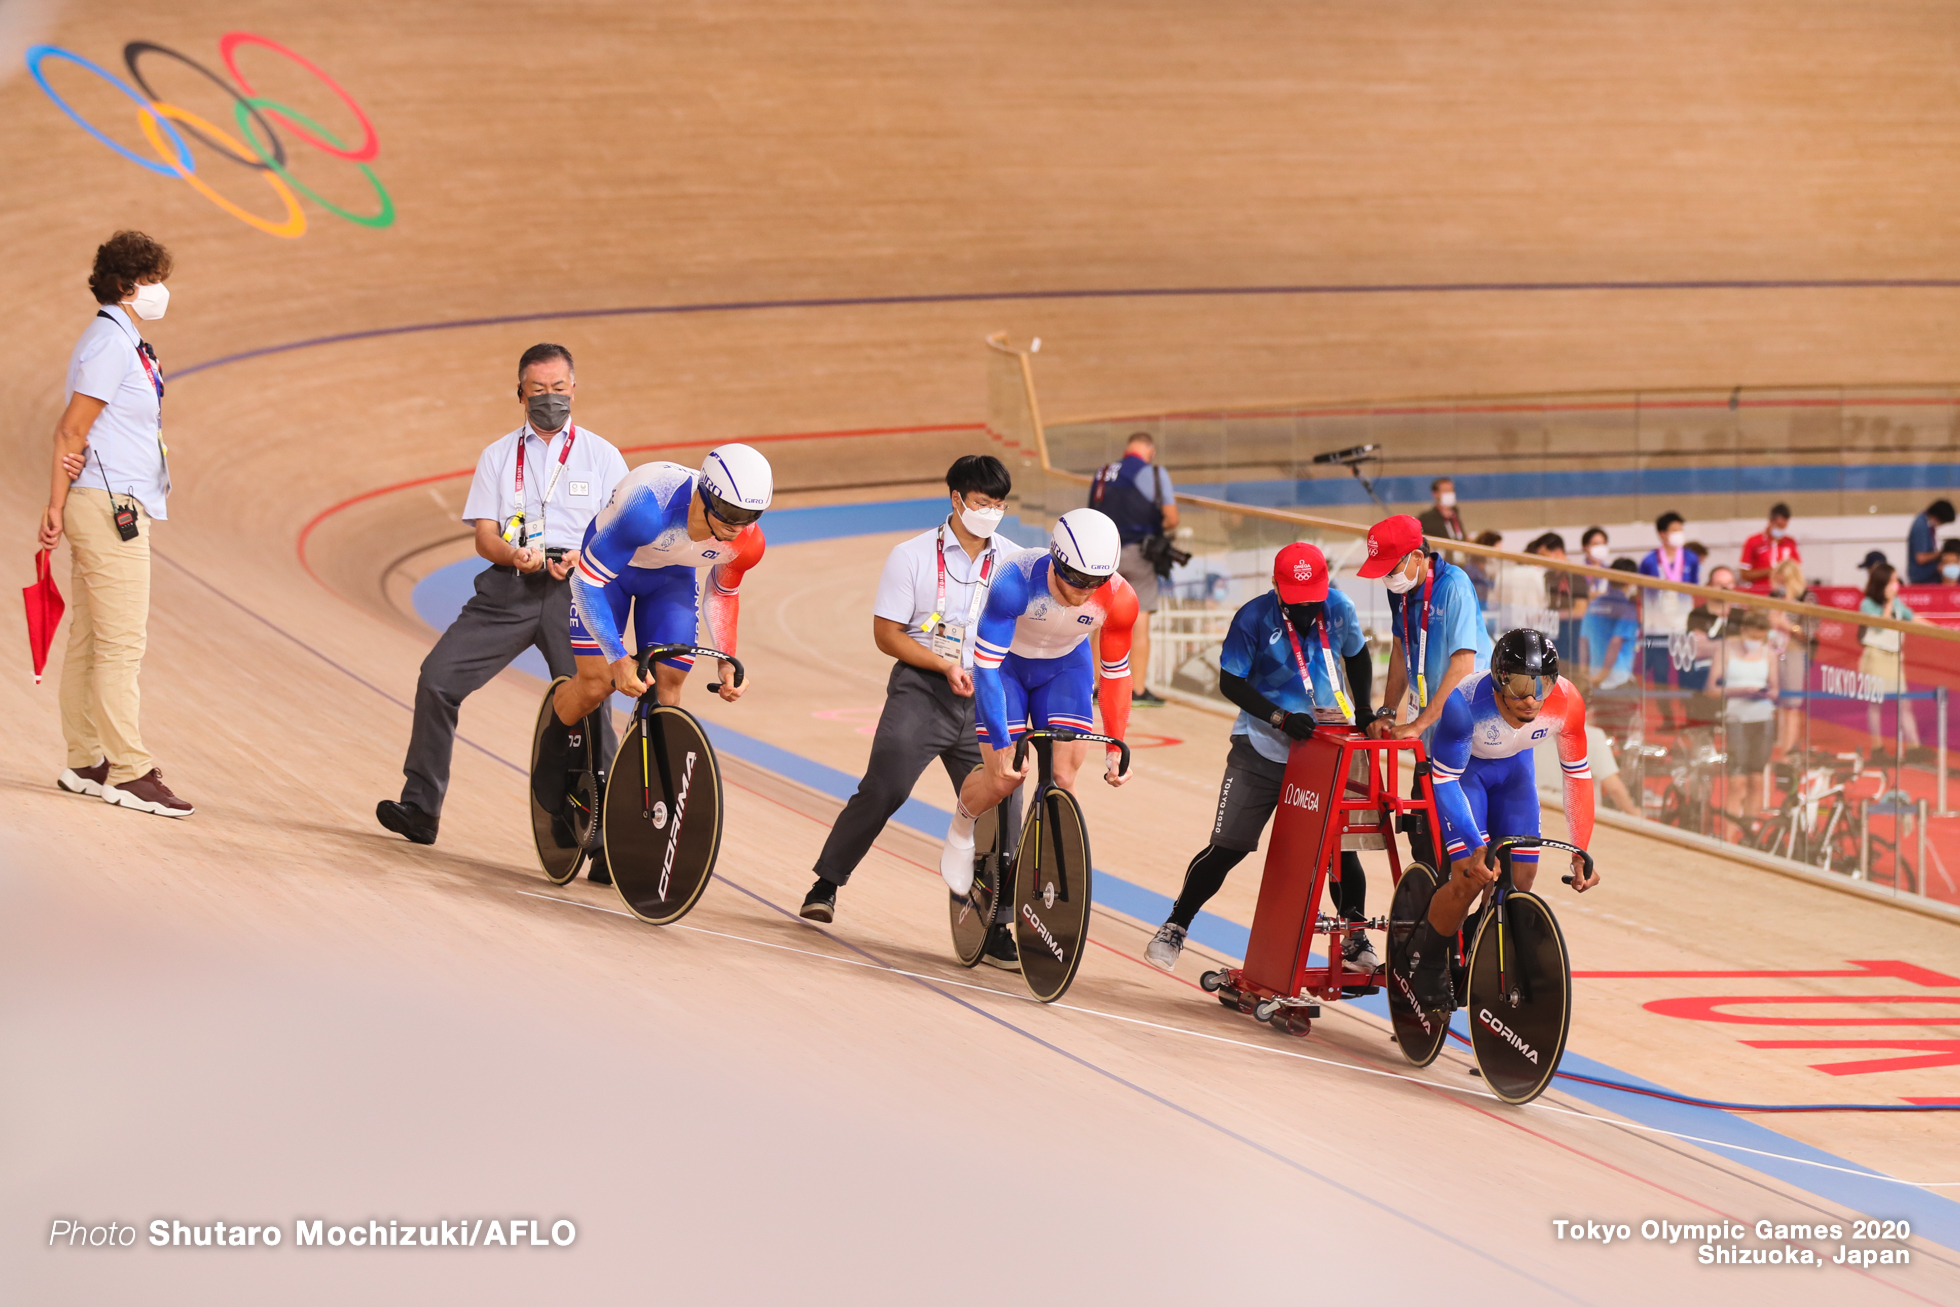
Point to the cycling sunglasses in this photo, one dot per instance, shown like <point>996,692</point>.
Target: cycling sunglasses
<point>732,514</point>
<point>1520,686</point>
<point>1074,579</point>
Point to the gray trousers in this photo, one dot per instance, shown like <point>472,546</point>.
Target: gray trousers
<point>510,613</point>
<point>923,719</point>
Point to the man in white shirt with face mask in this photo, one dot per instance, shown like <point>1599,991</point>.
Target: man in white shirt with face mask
<point>929,603</point>
<point>535,491</point>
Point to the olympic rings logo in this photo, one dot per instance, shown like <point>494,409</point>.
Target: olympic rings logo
<point>257,145</point>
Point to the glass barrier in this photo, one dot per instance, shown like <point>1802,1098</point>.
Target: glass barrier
<point>1814,735</point>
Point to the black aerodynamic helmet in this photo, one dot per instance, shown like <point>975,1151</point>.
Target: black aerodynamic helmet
<point>1528,656</point>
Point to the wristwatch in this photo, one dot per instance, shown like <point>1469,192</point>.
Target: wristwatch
<point>1278,719</point>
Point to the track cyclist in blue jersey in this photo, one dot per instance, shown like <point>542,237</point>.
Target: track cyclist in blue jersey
<point>1487,789</point>
<point>1032,663</point>
<point>642,552</point>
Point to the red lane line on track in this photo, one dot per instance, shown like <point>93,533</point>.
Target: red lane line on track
<point>307,531</point>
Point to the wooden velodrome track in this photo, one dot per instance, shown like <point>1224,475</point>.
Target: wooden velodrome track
<point>276,1010</point>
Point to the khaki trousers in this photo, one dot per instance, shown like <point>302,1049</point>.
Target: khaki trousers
<point>108,628</point>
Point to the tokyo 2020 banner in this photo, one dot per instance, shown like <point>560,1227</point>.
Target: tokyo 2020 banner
<point>264,127</point>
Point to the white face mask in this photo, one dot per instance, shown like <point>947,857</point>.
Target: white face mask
<point>1951,571</point>
<point>983,522</point>
<point>1751,646</point>
<point>1776,533</point>
<point>1399,581</point>
<point>1597,553</point>
<point>150,300</point>
<point>1447,499</point>
<point>1675,539</point>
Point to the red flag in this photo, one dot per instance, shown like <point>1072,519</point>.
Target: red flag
<point>44,610</point>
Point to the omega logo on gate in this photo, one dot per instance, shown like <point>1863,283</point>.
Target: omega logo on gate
<point>1299,798</point>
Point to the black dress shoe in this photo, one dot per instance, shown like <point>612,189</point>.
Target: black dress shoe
<point>407,821</point>
<point>820,904</point>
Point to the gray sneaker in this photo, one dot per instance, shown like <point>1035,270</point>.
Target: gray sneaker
<point>1360,954</point>
<point>1165,947</point>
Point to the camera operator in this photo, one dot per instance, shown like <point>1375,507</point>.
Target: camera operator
<point>535,491</point>
<point>1137,495</point>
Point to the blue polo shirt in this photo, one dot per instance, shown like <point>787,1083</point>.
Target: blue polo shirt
<point>1924,538</point>
<point>1456,621</point>
<point>1257,650</point>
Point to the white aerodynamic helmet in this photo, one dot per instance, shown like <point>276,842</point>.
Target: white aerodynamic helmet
<point>736,483</point>
<point>1085,547</point>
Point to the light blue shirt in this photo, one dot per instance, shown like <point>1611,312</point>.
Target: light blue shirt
<point>1456,621</point>
<point>1257,651</point>
<point>125,446</point>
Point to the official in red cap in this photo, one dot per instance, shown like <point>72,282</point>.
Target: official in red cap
<point>1283,665</point>
<point>1300,574</point>
<point>1440,636</point>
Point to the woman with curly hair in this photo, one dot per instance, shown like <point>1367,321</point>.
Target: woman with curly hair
<point>110,479</point>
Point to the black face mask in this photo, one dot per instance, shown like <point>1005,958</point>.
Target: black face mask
<point>548,410</point>
<point>1304,615</point>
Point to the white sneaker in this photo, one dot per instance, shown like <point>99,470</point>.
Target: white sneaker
<point>1360,954</point>
<point>956,862</point>
<point>1163,950</point>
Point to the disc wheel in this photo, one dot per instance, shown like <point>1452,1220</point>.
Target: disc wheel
<point>1519,997</point>
<point>561,862</point>
<point>1419,1032</point>
<point>662,815</point>
<point>972,913</point>
<point>1052,889</point>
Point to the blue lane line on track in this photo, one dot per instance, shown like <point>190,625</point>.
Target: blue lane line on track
<point>1038,296</point>
<point>440,595</point>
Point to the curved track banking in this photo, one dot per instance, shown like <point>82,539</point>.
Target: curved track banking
<point>275,1009</point>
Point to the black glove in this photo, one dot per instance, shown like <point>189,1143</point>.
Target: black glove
<point>1298,725</point>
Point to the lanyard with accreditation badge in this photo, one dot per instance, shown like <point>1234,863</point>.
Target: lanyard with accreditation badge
<point>938,615</point>
<point>146,355</point>
<point>1327,659</point>
<point>514,529</point>
<point>1421,643</point>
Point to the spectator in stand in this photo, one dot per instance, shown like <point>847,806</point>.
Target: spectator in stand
<point>1565,594</point>
<point>1664,613</point>
<point>1442,521</point>
<point>1923,543</point>
<point>1880,658</point>
<point>1794,638</point>
<point>1708,624</point>
<point>1523,594</point>
<point>1720,577</point>
<point>1483,570</point>
<point>1138,496</point>
<point>1609,634</point>
<point>1746,666</point>
<point>1950,563</point>
<point>1770,546</point>
<point>1597,554</point>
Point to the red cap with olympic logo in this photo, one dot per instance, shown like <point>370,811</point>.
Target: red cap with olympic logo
<point>1300,574</point>
<point>1389,542</point>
